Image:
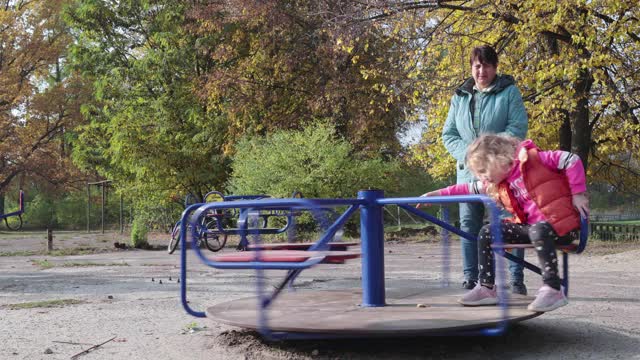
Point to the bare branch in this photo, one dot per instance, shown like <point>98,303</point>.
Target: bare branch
<point>532,97</point>
<point>625,108</point>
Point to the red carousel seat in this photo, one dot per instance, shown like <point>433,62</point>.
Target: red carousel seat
<point>331,257</point>
<point>336,246</point>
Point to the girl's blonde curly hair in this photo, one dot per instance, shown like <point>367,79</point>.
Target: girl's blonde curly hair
<point>491,150</point>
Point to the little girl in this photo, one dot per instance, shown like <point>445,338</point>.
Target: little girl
<point>545,192</point>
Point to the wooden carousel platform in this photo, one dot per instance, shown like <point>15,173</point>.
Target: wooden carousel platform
<point>422,312</point>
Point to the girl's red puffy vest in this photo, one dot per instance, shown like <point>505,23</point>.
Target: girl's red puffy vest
<point>549,189</point>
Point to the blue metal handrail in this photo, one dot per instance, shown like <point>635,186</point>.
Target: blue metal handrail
<point>245,197</point>
<point>584,235</point>
<point>200,210</point>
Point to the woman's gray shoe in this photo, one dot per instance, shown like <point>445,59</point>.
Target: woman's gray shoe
<point>470,284</point>
<point>519,288</point>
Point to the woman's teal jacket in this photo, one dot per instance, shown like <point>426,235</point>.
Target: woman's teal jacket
<point>501,112</point>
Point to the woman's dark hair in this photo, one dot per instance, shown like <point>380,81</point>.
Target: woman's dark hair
<point>485,55</point>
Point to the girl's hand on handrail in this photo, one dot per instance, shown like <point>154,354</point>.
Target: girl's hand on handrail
<point>581,203</point>
<point>430,193</point>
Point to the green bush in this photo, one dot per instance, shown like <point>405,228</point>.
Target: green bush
<point>71,210</point>
<point>40,212</point>
<point>139,234</point>
<point>314,161</point>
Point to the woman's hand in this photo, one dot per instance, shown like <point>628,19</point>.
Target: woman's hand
<point>581,203</point>
<point>430,193</point>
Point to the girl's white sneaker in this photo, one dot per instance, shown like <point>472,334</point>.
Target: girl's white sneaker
<point>548,299</point>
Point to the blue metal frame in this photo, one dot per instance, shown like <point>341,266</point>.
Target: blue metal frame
<point>245,197</point>
<point>199,210</point>
<point>370,203</point>
<point>242,216</point>
<point>445,248</point>
<point>372,243</point>
<point>220,229</point>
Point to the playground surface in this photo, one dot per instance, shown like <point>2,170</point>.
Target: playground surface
<point>54,307</point>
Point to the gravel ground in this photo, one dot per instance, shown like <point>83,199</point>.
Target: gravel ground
<point>53,307</point>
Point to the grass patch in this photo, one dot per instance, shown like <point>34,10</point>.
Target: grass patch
<point>46,264</point>
<point>396,228</point>
<point>74,251</point>
<point>20,253</point>
<point>45,304</point>
<point>191,325</point>
<point>410,234</point>
<point>43,264</point>
<point>57,252</point>
<point>88,264</point>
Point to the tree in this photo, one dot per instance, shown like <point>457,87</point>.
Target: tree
<point>576,62</point>
<point>39,97</point>
<point>287,64</point>
<point>147,130</point>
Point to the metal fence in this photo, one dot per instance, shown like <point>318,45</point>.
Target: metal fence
<point>613,217</point>
<point>612,232</point>
<point>600,225</point>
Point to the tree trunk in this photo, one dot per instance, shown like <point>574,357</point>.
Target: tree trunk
<point>574,132</point>
<point>565,132</point>
<point>580,129</point>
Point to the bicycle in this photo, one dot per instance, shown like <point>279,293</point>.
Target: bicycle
<point>208,232</point>
<point>208,235</point>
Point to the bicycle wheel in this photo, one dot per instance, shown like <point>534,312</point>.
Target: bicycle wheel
<point>215,242</point>
<point>212,238</point>
<point>14,227</point>
<point>175,238</point>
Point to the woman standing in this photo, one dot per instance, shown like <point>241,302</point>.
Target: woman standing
<point>485,103</point>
